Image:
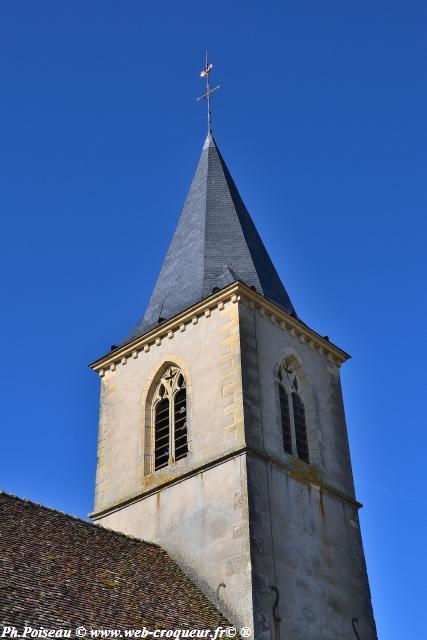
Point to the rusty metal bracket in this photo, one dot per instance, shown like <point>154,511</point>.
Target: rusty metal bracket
<point>354,624</point>
<point>276,615</point>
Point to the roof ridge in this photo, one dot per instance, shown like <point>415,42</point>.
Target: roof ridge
<point>209,142</point>
<point>93,525</point>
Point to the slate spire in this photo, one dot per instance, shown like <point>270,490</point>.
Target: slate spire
<point>215,243</point>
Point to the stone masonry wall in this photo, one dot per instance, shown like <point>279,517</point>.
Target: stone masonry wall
<point>282,536</point>
<point>309,573</point>
<point>196,509</point>
<point>207,349</point>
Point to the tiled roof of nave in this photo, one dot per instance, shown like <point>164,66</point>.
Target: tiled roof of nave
<point>61,572</point>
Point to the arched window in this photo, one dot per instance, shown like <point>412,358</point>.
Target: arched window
<point>292,413</point>
<point>169,411</point>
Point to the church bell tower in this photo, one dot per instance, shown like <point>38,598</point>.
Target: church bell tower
<point>222,434</point>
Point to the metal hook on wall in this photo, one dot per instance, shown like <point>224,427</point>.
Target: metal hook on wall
<point>276,615</point>
<point>354,624</point>
<point>221,584</point>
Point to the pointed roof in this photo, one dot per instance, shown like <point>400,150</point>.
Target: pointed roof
<point>215,244</point>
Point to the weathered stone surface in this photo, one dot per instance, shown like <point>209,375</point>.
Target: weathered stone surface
<point>302,537</point>
<point>238,510</point>
<point>60,572</point>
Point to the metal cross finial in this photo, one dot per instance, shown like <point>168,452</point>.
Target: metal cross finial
<point>207,95</point>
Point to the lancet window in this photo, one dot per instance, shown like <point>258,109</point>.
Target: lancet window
<point>170,418</point>
<point>292,413</point>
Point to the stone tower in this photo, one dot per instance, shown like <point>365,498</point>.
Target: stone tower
<point>222,434</point>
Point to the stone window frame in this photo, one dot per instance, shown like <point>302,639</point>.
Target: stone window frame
<point>146,455</point>
<point>167,388</point>
<point>305,392</point>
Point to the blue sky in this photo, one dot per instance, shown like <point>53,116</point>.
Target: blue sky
<point>321,119</point>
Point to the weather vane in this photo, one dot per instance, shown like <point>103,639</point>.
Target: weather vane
<point>209,91</point>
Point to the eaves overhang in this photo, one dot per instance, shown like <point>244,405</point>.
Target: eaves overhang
<point>234,293</point>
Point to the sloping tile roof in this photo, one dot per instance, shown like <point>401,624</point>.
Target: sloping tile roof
<point>215,233</point>
<point>61,572</point>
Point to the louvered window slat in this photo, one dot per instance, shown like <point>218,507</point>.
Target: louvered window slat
<point>292,412</point>
<point>300,427</point>
<point>181,445</point>
<point>286,419</point>
<point>161,434</point>
<point>170,441</point>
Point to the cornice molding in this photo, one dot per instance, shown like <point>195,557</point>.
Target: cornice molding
<point>235,293</point>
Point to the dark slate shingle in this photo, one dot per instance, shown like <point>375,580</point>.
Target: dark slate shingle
<point>215,237</point>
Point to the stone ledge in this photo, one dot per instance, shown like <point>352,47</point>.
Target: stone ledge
<point>117,506</point>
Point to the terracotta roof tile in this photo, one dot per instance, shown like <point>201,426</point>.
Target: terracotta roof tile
<point>59,571</point>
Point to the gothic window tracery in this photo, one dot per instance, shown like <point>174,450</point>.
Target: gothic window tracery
<point>292,413</point>
<point>169,411</point>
